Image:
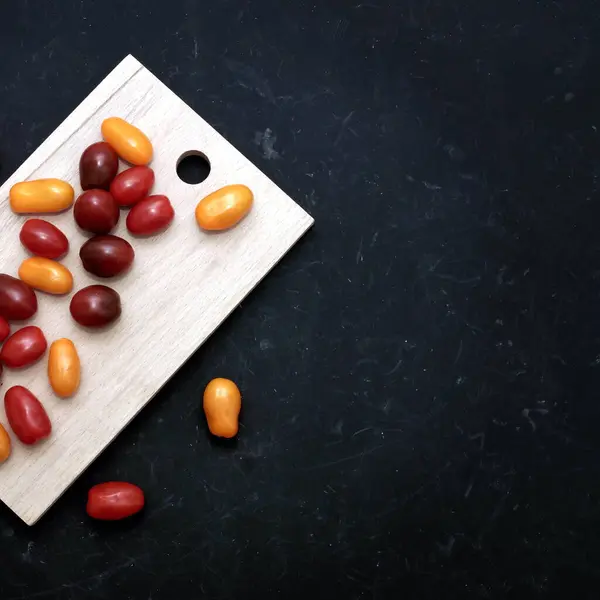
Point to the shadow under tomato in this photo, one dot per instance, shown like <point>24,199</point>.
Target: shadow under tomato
<point>123,525</point>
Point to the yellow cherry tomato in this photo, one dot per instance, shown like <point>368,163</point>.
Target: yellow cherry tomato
<point>46,275</point>
<point>222,405</point>
<point>128,141</point>
<point>41,196</point>
<point>224,208</point>
<point>4,444</point>
<point>64,368</point>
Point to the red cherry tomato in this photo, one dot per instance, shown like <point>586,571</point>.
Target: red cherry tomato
<point>150,215</point>
<point>96,211</point>
<point>23,347</point>
<point>114,500</point>
<point>26,415</point>
<point>132,185</point>
<point>44,239</point>
<point>17,300</point>
<point>4,329</point>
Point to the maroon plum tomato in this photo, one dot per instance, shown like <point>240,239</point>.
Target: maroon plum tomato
<point>23,347</point>
<point>96,211</point>
<point>98,166</point>
<point>114,500</point>
<point>17,300</point>
<point>26,415</point>
<point>106,255</point>
<point>132,185</point>
<point>95,306</point>
<point>4,329</point>
<point>44,239</point>
<point>150,215</point>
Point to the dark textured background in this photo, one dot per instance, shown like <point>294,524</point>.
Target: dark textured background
<point>420,373</point>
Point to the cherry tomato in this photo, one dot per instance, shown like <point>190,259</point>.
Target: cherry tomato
<point>4,329</point>
<point>64,368</point>
<point>26,415</point>
<point>222,405</point>
<point>106,255</point>
<point>98,166</point>
<point>224,208</point>
<point>130,143</point>
<point>150,215</point>
<point>46,275</point>
<point>17,300</point>
<point>4,444</point>
<point>114,500</point>
<point>96,211</point>
<point>23,347</point>
<point>44,239</point>
<point>132,185</point>
<point>41,196</point>
<point>95,306</point>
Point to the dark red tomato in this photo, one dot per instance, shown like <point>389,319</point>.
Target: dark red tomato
<point>132,185</point>
<point>44,239</point>
<point>26,415</point>
<point>95,306</point>
<point>96,211</point>
<point>4,329</point>
<point>98,166</point>
<point>17,300</point>
<point>114,500</point>
<point>23,347</point>
<point>106,255</point>
<point>150,215</point>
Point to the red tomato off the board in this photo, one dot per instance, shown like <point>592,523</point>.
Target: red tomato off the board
<point>114,500</point>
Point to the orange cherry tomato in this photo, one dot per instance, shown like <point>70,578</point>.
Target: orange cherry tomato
<point>224,208</point>
<point>41,196</point>
<point>4,444</point>
<point>46,275</point>
<point>64,368</point>
<point>128,141</point>
<point>222,405</point>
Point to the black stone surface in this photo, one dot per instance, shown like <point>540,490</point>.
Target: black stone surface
<point>420,373</point>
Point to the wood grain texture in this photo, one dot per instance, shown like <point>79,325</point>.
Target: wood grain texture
<point>183,284</point>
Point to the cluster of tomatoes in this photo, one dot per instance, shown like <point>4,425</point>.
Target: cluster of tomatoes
<point>97,211</point>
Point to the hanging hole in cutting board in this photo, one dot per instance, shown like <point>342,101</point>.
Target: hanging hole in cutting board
<point>193,167</point>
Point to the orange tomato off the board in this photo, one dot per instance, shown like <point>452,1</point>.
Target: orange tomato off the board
<point>222,404</point>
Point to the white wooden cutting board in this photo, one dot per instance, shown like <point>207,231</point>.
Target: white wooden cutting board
<point>183,283</point>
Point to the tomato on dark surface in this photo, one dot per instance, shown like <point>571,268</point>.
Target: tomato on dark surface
<point>114,500</point>
<point>96,211</point>
<point>132,185</point>
<point>17,300</point>
<point>95,306</point>
<point>150,215</point>
<point>98,166</point>
<point>106,255</point>
<point>4,329</point>
<point>44,239</point>
<point>23,347</point>
<point>26,415</point>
